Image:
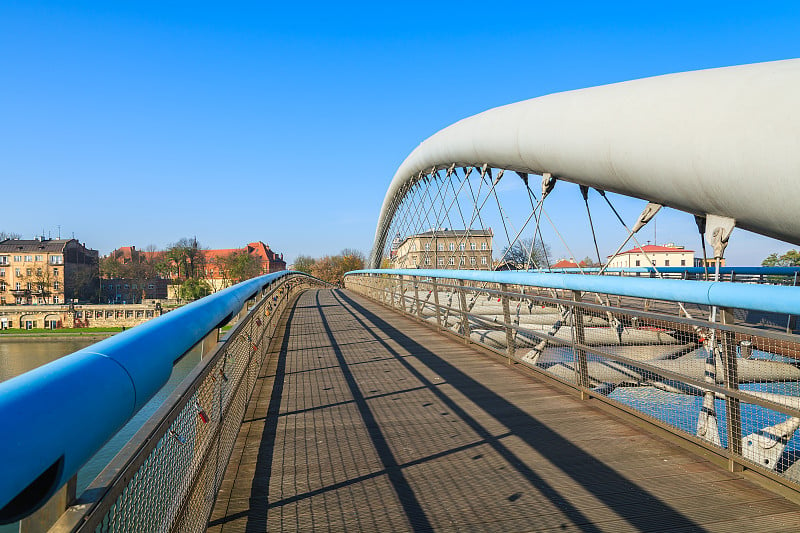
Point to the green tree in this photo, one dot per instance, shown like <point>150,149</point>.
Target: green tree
<point>790,258</point>
<point>193,289</point>
<point>304,263</point>
<point>241,266</point>
<point>187,258</point>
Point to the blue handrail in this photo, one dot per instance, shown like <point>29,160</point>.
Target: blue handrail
<point>770,298</point>
<point>55,417</point>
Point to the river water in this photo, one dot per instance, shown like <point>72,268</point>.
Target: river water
<point>22,355</point>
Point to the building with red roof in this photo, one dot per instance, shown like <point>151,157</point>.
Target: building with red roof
<point>670,255</point>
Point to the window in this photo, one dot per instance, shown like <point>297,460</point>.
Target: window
<point>440,247</point>
<point>56,300</point>
<point>38,271</point>
<point>462,260</point>
<point>56,285</point>
<point>18,286</point>
<point>472,261</point>
<point>484,246</point>
<point>3,259</point>
<point>452,247</point>
<point>55,272</point>
<point>2,272</point>
<point>428,261</point>
<point>683,262</point>
<point>440,262</point>
<point>29,285</point>
<point>56,259</point>
<point>2,286</point>
<point>17,258</point>
<point>28,271</point>
<point>666,262</point>
<point>638,263</point>
<point>451,261</point>
<point>151,287</point>
<point>17,272</point>
<point>472,246</point>
<point>427,247</point>
<point>461,246</point>
<point>28,258</point>
<point>40,258</point>
<point>483,260</point>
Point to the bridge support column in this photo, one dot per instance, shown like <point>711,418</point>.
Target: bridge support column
<point>510,347</point>
<point>579,337</point>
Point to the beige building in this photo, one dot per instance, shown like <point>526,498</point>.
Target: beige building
<point>46,271</point>
<point>669,255</point>
<point>453,249</point>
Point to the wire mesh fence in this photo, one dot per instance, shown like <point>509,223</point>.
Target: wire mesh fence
<point>167,477</point>
<point>697,371</point>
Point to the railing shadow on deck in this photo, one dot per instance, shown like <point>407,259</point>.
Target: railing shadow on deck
<point>561,453</point>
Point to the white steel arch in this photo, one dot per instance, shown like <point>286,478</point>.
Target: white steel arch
<point>720,142</point>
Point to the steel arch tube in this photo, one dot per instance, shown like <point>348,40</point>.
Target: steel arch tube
<point>721,141</point>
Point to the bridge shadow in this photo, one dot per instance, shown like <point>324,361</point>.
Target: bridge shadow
<point>648,513</point>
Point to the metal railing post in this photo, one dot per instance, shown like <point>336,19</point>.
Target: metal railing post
<point>510,348</point>
<point>733,414</point>
<point>416,296</point>
<point>462,297</point>
<point>436,301</point>
<point>581,369</point>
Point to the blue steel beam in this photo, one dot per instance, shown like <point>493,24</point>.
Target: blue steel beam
<point>54,418</point>
<point>743,270</point>
<point>770,298</point>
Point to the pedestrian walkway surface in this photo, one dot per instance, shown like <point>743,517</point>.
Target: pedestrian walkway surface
<point>364,420</point>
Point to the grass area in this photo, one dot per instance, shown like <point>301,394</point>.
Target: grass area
<point>59,331</point>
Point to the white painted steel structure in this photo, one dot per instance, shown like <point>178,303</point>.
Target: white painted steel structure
<point>722,142</point>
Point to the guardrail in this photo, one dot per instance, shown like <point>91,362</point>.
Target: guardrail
<point>667,351</point>
<point>57,416</point>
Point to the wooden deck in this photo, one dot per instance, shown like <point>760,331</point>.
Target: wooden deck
<point>364,420</point>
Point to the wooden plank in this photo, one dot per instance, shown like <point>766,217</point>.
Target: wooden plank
<point>366,420</point>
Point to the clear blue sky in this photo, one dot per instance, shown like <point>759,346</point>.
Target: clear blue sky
<point>144,122</point>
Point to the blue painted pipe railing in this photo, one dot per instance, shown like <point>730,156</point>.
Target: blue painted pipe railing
<point>54,418</point>
<point>741,270</point>
<point>770,298</point>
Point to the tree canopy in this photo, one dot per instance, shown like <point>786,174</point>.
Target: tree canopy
<point>332,268</point>
<point>790,258</point>
<point>520,254</point>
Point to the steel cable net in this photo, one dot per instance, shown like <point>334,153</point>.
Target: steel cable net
<point>175,485</point>
<point>725,384</point>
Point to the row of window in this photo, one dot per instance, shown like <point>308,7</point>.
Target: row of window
<point>462,261</point>
<point>20,300</point>
<point>126,286</point>
<point>54,259</point>
<point>666,263</point>
<point>452,246</point>
<point>28,272</point>
<point>29,286</point>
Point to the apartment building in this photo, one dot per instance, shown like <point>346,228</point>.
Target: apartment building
<point>452,249</point>
<point>47,271</point>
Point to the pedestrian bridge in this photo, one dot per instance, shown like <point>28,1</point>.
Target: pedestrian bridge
<point>418,398</point>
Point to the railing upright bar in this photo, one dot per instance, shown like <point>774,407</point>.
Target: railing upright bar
<point>510,348</point>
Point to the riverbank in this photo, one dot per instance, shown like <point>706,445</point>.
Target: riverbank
<point>39,335</point>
